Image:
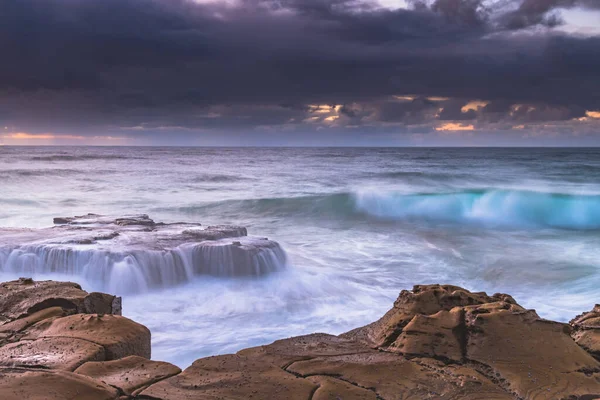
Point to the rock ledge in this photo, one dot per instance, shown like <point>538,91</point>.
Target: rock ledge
<point>437,342</point>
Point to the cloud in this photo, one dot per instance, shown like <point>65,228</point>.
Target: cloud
<point>154,67</point>
<point>455,127</point>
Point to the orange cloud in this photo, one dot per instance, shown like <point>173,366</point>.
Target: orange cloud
<point>454,127</point>
<point>474,105</point>
<point>39,136</point>
<point>437,98</point>
<point>405,98</point>
<point>45,138</point>
<point>593,114</point>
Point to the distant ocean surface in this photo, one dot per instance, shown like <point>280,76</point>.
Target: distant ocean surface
<point>358,226</point>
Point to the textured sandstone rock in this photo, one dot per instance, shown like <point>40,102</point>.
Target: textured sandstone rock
<point>129,373</point>
<point>25,296</point>
<point>333,389</point>
<point>391,376</point>
<point>120,336</point>
<point>424,300</point>
<point>233,377</point>
<point>27,384</point>
<point>536,358</point>
<point>586,332</point>
<point>25,322</point>
<point>437,342</point>
<point>54,353</point>
<point>437,335</point>
<point>284,352</point>
<point>526,356</point>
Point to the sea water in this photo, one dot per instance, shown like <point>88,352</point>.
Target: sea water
<point>357,226</point>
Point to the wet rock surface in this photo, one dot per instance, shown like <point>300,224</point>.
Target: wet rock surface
<point>134,253</point>
<point>437,342</point>
<point>141,232</point>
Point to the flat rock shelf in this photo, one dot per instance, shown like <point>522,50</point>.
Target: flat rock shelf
<point>133,254</point>
<point>437,342</point>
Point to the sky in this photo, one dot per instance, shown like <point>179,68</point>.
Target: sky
<point>300,72</point>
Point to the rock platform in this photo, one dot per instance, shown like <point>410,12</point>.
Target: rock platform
<point>437,342</point>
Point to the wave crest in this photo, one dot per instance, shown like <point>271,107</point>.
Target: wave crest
<point>501,207</point>
<point>494,206</point>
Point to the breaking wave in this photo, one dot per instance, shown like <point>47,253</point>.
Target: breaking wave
<point>502,207</point>
<point>495,207</point>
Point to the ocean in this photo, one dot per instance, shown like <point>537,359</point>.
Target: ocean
<point>358,225</point>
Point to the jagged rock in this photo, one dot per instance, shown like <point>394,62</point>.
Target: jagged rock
<point>437,335</point>
<point>129,373</point>
<point>423,300</point>
<point>53,353</point>
<point>530,357</point>
<point>120,336</point>
<point>586,332</point>
<point>25,296</point>
<point>102,303</point>
<point>437,342</point>
<point>38,384</point>
<point>536,359</point>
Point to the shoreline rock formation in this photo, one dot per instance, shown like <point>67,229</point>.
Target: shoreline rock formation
<point>437,342</point>
<point>133,253</point>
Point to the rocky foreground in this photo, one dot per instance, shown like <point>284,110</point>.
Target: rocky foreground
<point>437,342</point>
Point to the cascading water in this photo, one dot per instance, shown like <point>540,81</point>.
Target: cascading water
<point>134,260</point>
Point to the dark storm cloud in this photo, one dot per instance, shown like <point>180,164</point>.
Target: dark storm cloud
<point>539,12</point>
<point>151,64</point>
<point>452,111</point>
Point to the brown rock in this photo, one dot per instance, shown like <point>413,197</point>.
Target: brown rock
<point>232,377</point>
<point>25,322</point>
<point>391,376</point>
<point>437,335</point>
<point>129,373</point>
<point>120,336</point>
<point>536,358</point>
<point>437,342</point>
<point>329,388</point>
<point>54,353</point>
<point>101,303</point>
<point>422,300</point>
<point>586,331</point>
<point>25,296</point>
<point>284,352</point>
<point>27,384</point>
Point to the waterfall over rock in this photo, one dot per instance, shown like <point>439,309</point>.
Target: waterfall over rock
<point>135,254</point>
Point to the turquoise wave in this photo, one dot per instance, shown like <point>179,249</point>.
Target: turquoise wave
<point>500,207</point>
<point>494,207</point>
